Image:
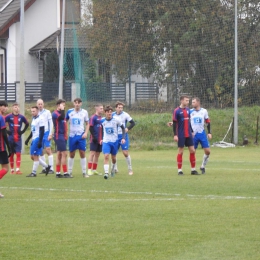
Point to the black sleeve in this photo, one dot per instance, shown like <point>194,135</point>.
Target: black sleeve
<point>208,127</point>
<point>123,131</point>
<point>174,127</point>
<point>29,137</point>
<point>132,124</point>
<point>62,115</point>
<point>41,133</point>
<point>25,128</point>
<point>6,138</point>
<point>102,131</point>
<point>91,130</point>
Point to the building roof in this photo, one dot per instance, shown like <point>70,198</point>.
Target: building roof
<point>10,13</point>
<point>71,40</point>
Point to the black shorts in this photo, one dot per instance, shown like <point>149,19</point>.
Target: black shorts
<point>95,147</point>
<point>61,145</point>
<point>4,158</point>
<point>185,141</point>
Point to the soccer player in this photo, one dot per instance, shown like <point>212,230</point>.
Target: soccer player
<point>37,133</point>
<point>199,116</point>
<point>77,118</point>
<point>110,139</point>
<point>95,138</point>
<point>48,126</point>
<point>124,117</point>
<point>183,133</point>
<point>15,122</point>
<point>4,143</point>
<point>60,138</point>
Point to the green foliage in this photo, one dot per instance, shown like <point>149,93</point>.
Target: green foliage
<point>51,70</point>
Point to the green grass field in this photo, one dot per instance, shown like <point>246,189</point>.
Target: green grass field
<point>154,214</point>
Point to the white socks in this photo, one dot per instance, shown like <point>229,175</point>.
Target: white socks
<point>106,168</point>
<point>128,161</point>
<point>50,159</point>
<point>70,164</point>
<point>83,164</point>
<point>35,166</point>
<point>204,160</point>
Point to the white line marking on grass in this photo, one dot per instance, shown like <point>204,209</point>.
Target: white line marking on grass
<point>42,189</point>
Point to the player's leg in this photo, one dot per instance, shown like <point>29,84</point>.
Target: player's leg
<point>113,151</point>
<point>5,166</point>
<point>47,145</point>
<point>125,150</point>
<point>18,150</point>
<point>91,158</point>
<point>106,149</point>
<point>181,142</point>
<point>118,147</point>
<point>189,144</point>
<point>72,150</point>
<point>82,145</point>
<point>11,158</point>
<point>95,161</point>
<point>58,163</point>
<point>42,156</point>
<point>64,156</point>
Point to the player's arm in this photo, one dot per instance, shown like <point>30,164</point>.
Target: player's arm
<point>50,122</point>
<point>123,131</point>
<point>4,134</point>
<point>28,139</point>
<point>86,130</point>
<point>41,134</point>
<point>132,124</point>
<point>102,131</point>
<point>62,115</point>
<point>91,130</point>
<point>21,132</point>
<point>8,131</point>
<point>208,125</point>
<point>174,127</point>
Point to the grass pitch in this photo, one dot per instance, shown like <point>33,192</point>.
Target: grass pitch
<point>154,214</point>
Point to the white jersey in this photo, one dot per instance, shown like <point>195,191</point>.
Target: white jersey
<point>47,119</point>
<point>77,121</point>
<point>122,117</point>
<point>110,129</point>
<point>37,122</point>
<point>197,119</point>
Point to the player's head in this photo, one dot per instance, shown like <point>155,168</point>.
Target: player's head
<point>184,100</point>
<point>34,110</point>
<point>119,107</point>
<point>3,107</point>
<point>59,102</point>
<point>108,112</point>
<point>40,104</point>
<point>77,103</point>
<point>195,102</point>
<point>15,108</point>
<point>99,109</point>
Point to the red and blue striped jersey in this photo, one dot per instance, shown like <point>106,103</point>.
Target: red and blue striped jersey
<point>96,124</point>
<point>15,123</point>
<point>60,125</point>
<point>182,117</point>
<point>2,126</point>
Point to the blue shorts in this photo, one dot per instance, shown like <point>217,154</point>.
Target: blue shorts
<point>34,150</point>
<point>110,148</point>
<point>45,141</point>
<point>124,146</point>
<point>16,145</point>
<point>77,143</point>
<point>202,139</point>
<point>185,141</point>
<point>61,144</point>
<point>95,147</point>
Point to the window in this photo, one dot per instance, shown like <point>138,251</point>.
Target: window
<point>72,12</point>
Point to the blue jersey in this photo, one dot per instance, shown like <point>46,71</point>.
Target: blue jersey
<point>182,117</point>
<point>96,124</point>
<point>2,126</point>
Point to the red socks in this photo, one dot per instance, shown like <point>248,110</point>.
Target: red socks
<point>18,160</point>
<point>94,166</point>
<point>90,165</point>
<point>3,172</point>
<point>192,160</point>
<point>12,161</point>
<point>179,160</point>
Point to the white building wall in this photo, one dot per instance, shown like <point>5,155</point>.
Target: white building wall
<point>40,21</point>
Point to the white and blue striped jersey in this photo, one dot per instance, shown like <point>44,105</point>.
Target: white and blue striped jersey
<point>77,121</point>
<point>47,119</point>
<point>37,122</point>
<point>198,119</point>
<point>110,129</point>
<point>122,117</point>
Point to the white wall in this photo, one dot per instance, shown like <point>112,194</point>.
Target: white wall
<point>40,22</point>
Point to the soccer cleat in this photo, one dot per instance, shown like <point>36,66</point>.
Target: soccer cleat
<point>130,172</point>
<point>106,176</point>
<point>90,172</point>
<point>116,171</point>
<point>67,175</point>
<point>12,172</point>
<point>1,195</point>
<point>203,170</point>
<point>31,175</point>
<point>18,172</point>
<point>51,172</point>
<point>180,173</point>
<point>59,176</point>
<point>43,171</point>
<point>96,172</point>
<point>194,173</point>
<point>85,175</point>
<point>47,170</point>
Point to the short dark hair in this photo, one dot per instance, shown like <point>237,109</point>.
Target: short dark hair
<point>118,103</point>
<point>35,107</point>
<point>108,108</point>
<point>15,104</point>
<point>79,100</point>
<point>3,103</point>
<point>184,96</point>
<point>59,101</point>
<point>196,98</point>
